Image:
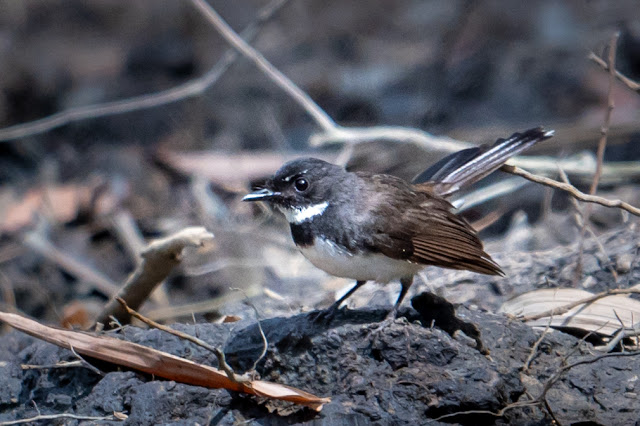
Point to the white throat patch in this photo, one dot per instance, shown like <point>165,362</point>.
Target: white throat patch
<point>302,214</point>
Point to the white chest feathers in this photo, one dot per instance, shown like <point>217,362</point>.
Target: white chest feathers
<point>336,261</point>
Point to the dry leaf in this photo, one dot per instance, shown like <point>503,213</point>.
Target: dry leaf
<point>120,416</point>
<point>598,317</point>
<point>158,363</point>
<point>228,318</point>
<point>80,314</point>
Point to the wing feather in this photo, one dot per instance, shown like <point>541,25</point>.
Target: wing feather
<point>427,232</point>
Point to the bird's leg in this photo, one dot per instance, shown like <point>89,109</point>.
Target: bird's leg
<point>406,284</point>
<point>328,313</point>
<point>393,313</point>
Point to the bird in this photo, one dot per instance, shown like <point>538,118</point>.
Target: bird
<point>377,227</point>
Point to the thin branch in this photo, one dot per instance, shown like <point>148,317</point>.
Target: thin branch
<point>602,144</point>
<point>132,240</point>
<point>571,190</point>
<point>587,300</point>
<point>317,113</point>
<point>222,362</point>
<point>623,78</point>
<point>184,91</point>
<point>617,338</point>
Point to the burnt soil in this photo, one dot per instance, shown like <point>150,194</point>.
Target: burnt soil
<point>408,372</point>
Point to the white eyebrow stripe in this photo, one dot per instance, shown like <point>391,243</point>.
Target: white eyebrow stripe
<point>302,214</point>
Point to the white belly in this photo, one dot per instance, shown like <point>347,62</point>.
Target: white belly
<point>373,267</point>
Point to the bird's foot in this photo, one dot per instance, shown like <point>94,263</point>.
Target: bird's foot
<point>389,319</point>
<point>325,316</point>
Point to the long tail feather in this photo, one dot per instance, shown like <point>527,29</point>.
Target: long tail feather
<point>468,166</point>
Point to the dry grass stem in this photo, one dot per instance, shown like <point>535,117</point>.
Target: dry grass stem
<point>61,364</point>
<point>51,417</point>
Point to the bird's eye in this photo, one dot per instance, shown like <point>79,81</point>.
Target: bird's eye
<point>301,184</point>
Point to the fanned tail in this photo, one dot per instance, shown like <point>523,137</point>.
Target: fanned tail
<point>468,166</point>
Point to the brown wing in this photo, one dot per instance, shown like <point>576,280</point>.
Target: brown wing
<point>421,227</point>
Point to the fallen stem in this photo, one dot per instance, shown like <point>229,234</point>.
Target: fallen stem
<point>158,260</point>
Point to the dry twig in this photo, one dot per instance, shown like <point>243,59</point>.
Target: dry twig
<point>131,238</point>
<point>332,132</point>
<point>541,399</point>
<point>626,80</point>
<point>61,364</point>
<point>602,144</point>
<point>571,190</point>
<point>158,260</point>
<point>86,363</point>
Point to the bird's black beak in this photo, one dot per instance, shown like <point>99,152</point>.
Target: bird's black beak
<point>263,194</point>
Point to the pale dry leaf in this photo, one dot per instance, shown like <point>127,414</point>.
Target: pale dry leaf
<point>599,317</point>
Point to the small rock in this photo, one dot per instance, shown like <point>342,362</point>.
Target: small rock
<point>59,400</point>
<point>623,263</point>
<point>589,282</point>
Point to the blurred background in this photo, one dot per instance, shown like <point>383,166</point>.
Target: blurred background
<point>86,191</point>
